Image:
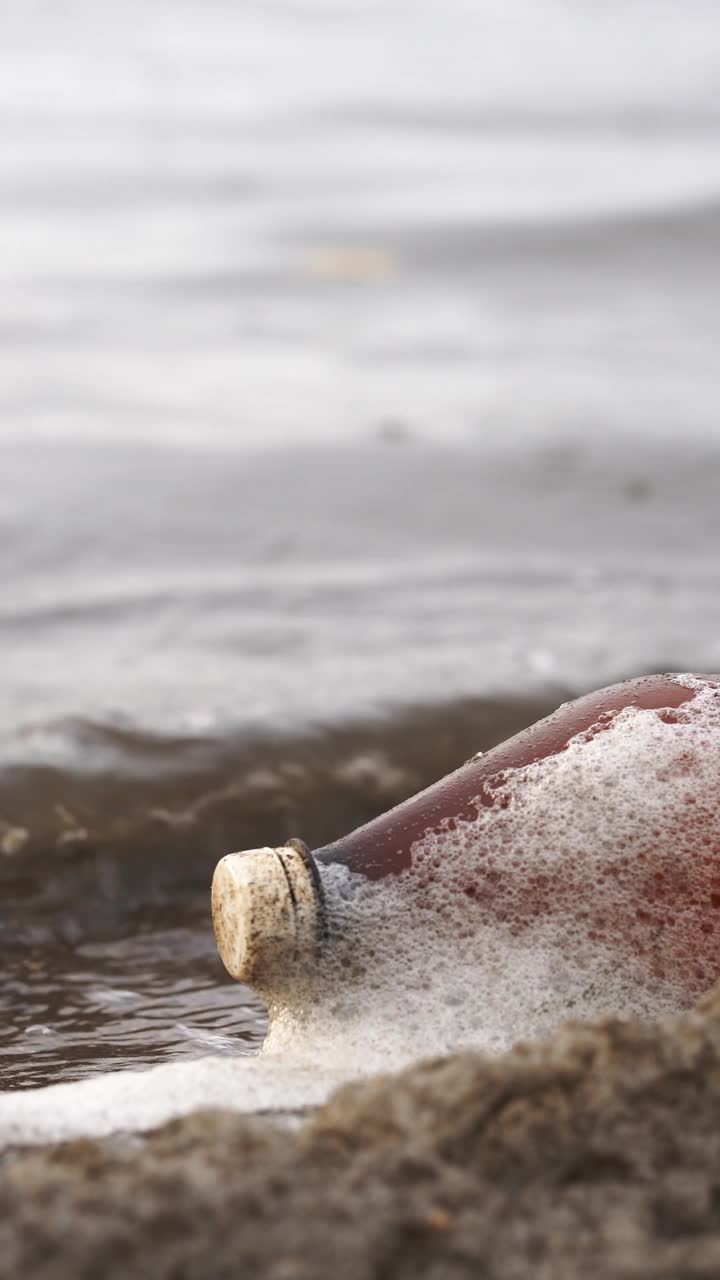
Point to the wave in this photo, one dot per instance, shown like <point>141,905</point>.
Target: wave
<point>144,820</point>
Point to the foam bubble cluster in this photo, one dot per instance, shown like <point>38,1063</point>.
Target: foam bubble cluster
<point>590,885</point>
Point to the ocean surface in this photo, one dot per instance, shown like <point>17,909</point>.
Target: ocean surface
<point>359,403</point>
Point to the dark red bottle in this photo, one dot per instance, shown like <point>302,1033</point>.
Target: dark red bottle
<point>605,810</point>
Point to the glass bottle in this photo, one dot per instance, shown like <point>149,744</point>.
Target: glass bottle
<point>478,828</point>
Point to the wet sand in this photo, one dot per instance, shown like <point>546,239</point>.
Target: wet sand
<point>594,1155</point>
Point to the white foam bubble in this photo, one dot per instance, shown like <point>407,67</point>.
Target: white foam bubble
<point>139,1100</point>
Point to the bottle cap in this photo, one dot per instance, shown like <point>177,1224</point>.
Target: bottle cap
<point>267,907</point>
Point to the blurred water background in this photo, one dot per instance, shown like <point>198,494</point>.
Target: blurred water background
<point>358,403</point>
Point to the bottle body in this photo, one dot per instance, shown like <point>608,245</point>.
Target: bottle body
<point>599,825</point>
<point>383,847</point>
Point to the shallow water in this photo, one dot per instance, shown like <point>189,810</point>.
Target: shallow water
<point>358,403</point>
<point>69,1011</point>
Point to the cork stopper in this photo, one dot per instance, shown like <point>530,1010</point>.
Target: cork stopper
<point>267,909</point>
